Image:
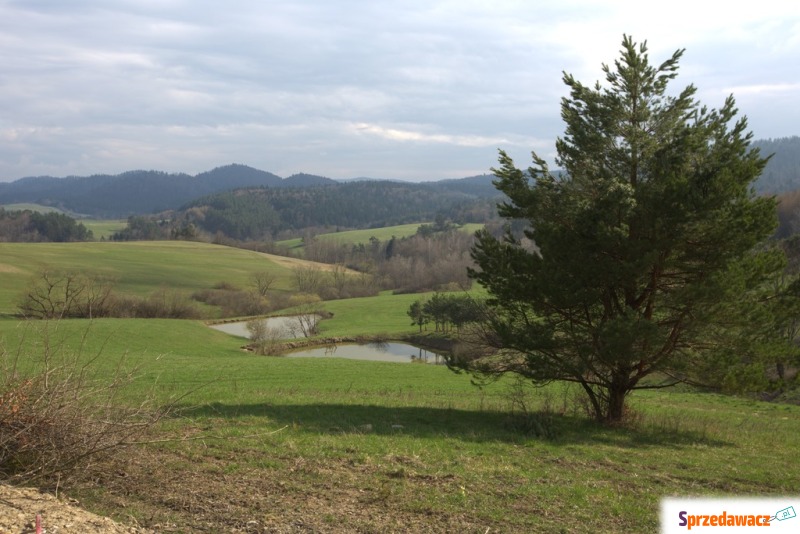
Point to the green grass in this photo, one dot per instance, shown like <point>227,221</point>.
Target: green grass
<point>363,236</point>
<point>337,444</point>
<point>353,445</point>
<point>384,314</point>
<point>102,228</point>
<point>138,267</point>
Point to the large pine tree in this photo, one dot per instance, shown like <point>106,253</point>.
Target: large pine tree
<point>637,240</point>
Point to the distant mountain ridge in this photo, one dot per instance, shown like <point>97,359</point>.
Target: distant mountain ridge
<point>140,192</point>
<point>144,192</point>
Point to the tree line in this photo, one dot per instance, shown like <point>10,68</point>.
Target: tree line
<point>28,226</point>
<point>427,261</point>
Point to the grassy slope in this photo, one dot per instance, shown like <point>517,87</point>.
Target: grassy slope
<point>379,446</point>
<point>363,236</point>
<point>99,227</point>
<point>102,228</point>
<point>139,267</point>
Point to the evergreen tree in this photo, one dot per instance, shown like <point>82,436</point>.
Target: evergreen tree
<point>637,240</point>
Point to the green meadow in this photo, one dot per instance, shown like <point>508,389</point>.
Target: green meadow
<point>354,237</point>
<point>139,267</point>
<point>265,443</point>
<point>103,228</point>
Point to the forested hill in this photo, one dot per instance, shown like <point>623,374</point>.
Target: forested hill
<point>253,213</point>
<point>134,192</point>
<point>144,192</point>
<point>783,170</point>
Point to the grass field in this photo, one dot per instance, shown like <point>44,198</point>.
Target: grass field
<point>102,228</point>
<point>363,236</point>
<point>139,267</point>
<point>262,444</point>
<point>343,445</point>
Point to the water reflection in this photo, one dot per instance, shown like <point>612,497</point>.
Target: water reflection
<point>375,351</point>
<point>286,327</point>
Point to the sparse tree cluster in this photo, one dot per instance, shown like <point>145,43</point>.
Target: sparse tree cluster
<point>445,311</point>
<point>55,294</point>
<point>60,294</point>
<point>337,282</point>
<point>429,260</point>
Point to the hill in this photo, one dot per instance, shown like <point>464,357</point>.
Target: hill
<point>129,193</point>
<point>145,192</point>
<point>141,268</point>
<point>142,192</point>
<point>782,173</point>
<point>248,214</point>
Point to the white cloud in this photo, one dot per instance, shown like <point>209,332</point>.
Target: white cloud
<point>408,135</point>
<point>763,89</point>
<point>435,86</point>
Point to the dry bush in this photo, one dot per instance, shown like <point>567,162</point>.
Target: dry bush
<point>161,304</point>
<point>263,281</point>
<point>308,278</point>
<point>60,415</point>
<point>266,339</point>
<point>57,294</point>
<point>308,313</point>
<point>236,303</point>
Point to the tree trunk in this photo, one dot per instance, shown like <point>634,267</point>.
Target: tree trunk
<point>616,404</point>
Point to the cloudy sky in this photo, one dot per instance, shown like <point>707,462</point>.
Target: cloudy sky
<point>408,89</point>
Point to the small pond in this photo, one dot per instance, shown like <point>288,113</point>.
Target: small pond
<point>287,325</point>
<point>380,352</point>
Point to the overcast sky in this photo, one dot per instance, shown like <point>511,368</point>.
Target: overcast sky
<point>412,90</point>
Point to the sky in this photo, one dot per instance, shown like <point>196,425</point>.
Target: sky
<point>409,90</point>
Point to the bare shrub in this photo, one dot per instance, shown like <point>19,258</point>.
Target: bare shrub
<point>61,415</point>
<point>257,329</point>
<point>225,286</point>
<point>163,304</point>
<point>343,284</point>
<point>55,294</point>
<point>263,281</point>
<point>234,302</point>
<point>308,310</point>
<point>266,339</point>
<point>307,278</point>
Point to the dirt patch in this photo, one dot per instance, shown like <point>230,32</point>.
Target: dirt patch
<point>20,506</point>
<point>203,494</point>
<point>296,262</point>
<point>6,268</point>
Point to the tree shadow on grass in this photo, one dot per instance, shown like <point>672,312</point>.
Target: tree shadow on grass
<point>468,425</point>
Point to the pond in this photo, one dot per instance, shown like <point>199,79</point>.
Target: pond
<point>380,352</point>
<point>288,327</point>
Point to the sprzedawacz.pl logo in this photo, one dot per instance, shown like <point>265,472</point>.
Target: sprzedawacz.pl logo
<point>722,520</point>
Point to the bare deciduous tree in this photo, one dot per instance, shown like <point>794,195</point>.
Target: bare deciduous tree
<point>307,278</point>
<point>263,281</point>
